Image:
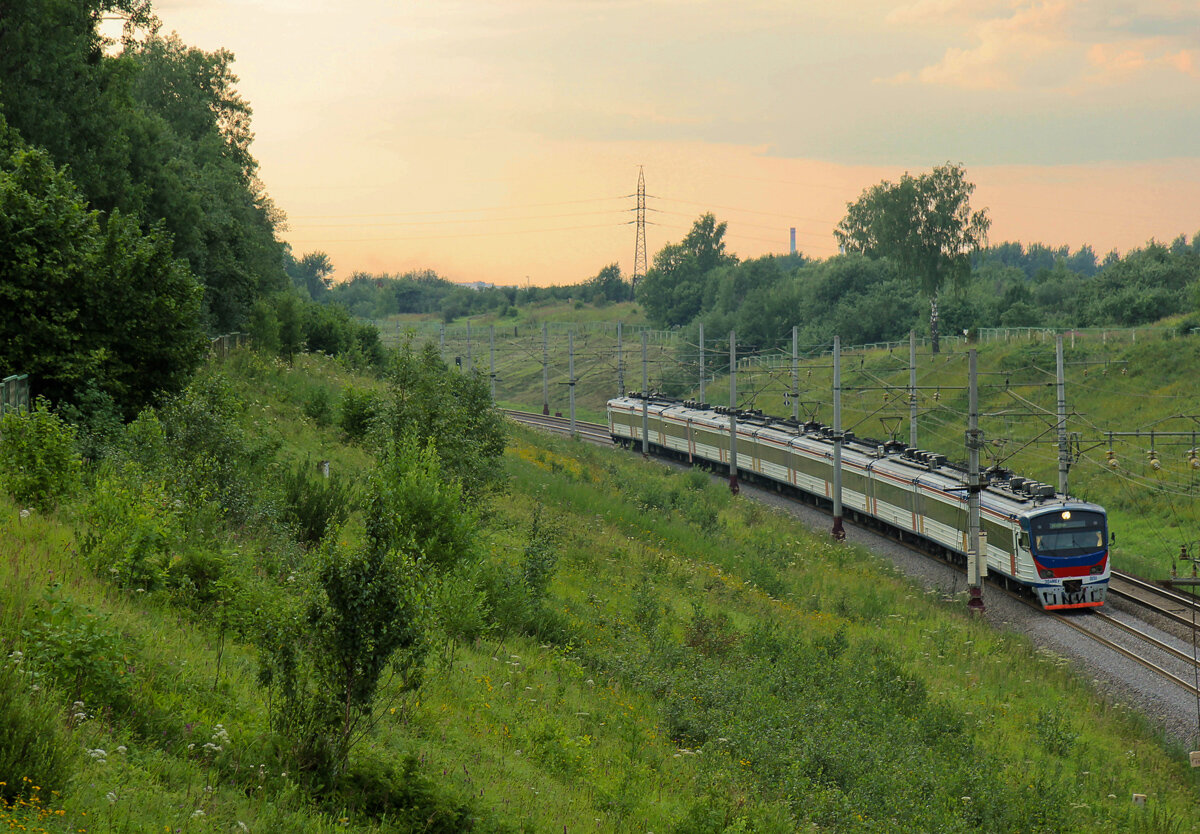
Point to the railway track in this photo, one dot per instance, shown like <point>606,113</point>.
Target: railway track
<point>1180,608</point>
<point>593,432</point>
<point>1134,643</point>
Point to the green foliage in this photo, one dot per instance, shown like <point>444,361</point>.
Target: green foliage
<point>358,411</point>
<point>924,224</point>
<point>318,406</point>
<point>454,410</point>
<point>80,652</point>
<point>207,450</point>
<point>673,289</point>
<point>132,530</point>
<point>35,748</point>
<point>363,617</point>
<point>407,798</point>
<point>315,504</point>
<point>414,507</point>
<point>97,420</point>
<point>87,305</point>
<point>39,465</point>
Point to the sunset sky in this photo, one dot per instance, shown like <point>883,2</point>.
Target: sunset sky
<point>500,140</point>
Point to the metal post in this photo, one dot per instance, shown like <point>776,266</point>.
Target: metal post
<point>645,401</point>
<point>442,342</point>
<point>620,364</point>
<point>702,369</point>
<point>571,376</point>
<point>912,388</point>
<point>1064,457</point>
<point>469,366</point>
<point>839,532</point>
<point>976,561</point>
<point>492,363</point>
<point>733,465</point>
<point>545,371</point>
<point>795,374</point>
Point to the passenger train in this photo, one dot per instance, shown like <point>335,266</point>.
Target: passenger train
<point>1051,545</point>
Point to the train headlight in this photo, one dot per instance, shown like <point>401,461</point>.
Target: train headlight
<point>1097,569</point>
<point>1045,573</point>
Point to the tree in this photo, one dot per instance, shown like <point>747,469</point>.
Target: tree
<point>609,286</point>
<point>673,290</point>
<point>311,273</point>
<point>923,224</point>
<point>430,402</point>
<point>83,306</point>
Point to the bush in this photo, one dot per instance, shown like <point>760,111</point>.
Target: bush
<point>39,465</point>
<point>34,744</point>
<point>357,413</point>
<point>132,530</point>
<point>314,504</point>
<point>409,799</point>
<point>78,651</point>
<point>318,406</point>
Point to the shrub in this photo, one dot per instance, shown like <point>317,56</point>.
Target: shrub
<point>408,798</point>
<point>318,406</point>
<point>312,503</point>
<point>132,530</point>
<point>357,413</point>
<point>34,745</point>
<point>362,619</point>
<point>38,462</point>
<point>78,651</point>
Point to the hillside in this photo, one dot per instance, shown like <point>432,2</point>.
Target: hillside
<point>1132,383</point>
<point>630,649</point>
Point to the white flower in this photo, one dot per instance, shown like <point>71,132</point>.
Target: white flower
<point>24,513</point>
<point>199,812</point>
<point>121,749</point>
<point>97,754</point>
<point>110,796</point>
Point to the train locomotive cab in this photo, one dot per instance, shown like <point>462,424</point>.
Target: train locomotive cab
<point>1068,544</point>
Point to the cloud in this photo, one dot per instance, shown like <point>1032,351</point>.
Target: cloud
<point>1064,45</point>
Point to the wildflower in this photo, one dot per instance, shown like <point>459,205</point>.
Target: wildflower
<point>199,812</point>
<point>110,796</point>
<point>121,749</point>
<point>24,514</point>
<point>98,754</point>
<point>220,735</point>
<point>16,656</point>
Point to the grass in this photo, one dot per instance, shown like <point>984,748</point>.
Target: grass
<point>1124,382</point>
<point>698,663</point>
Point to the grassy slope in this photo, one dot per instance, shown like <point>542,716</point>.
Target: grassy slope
<point>704,665</point>
<point>1119,383</point>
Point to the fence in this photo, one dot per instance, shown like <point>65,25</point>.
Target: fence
<point>1104,335</point>
<point>222,346</point>
<point>14,395</point>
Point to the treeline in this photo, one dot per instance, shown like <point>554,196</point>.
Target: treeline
<point>865,299</point>
<point>425,292</point>
<point>132,221</point>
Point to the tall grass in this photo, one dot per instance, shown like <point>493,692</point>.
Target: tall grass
<point>632,650</point>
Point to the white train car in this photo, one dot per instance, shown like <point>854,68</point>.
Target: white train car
<point>1051,544</point>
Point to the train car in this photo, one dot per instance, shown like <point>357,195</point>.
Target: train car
<point>1052,545</point>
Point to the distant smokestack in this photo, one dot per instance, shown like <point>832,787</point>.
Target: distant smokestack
<point>793,240</point>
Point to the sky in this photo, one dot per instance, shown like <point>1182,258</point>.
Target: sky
<point>501,140</point>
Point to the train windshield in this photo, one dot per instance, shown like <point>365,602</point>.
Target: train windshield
<point>1068,533</point>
